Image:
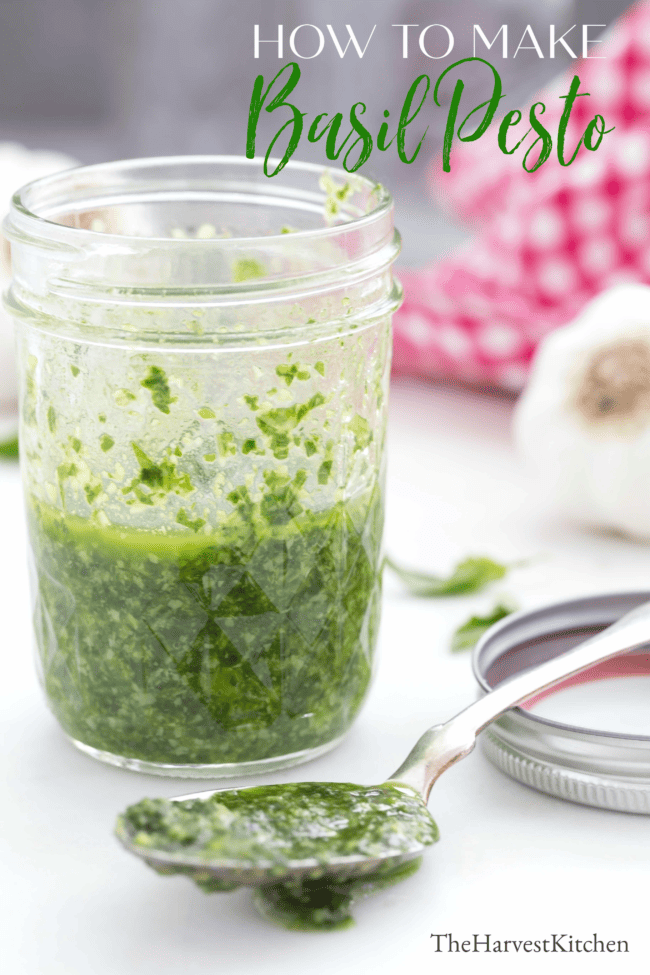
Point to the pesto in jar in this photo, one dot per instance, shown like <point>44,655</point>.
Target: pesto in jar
<point>267,828</point>
<point>250,641</point>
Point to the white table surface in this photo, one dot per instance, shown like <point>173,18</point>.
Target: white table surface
<point>511,862</point>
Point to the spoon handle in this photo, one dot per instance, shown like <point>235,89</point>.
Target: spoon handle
<point>445,744</point>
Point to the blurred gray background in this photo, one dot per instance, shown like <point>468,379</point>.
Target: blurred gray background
<point>103,79</point>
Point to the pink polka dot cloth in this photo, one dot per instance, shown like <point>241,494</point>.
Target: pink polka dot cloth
<point>549,241</point>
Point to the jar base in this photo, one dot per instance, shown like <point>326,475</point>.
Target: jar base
<point>224,771</point>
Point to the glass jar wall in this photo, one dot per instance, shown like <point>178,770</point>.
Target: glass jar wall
<point>204,359</point>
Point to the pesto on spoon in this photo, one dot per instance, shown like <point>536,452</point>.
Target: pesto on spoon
<point>310,848</point>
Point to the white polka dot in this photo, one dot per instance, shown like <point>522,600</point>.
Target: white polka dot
<point>509,230</point>
<point>417,328</point>
<point>480,261</point>
<point>606,84</point>
<point>590,213</point>
<point>640,89</point>
<point>454,341</point>
<point>634,228</point>
<point>586,171</point>
<point>633,154</point>
<point>556,276</point>
<point>598,256</point>
<point>435,298</point>
<point>546,228</point>
<point>499,340</point>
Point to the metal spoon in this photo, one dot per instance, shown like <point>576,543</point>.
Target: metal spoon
<point>440,747</point>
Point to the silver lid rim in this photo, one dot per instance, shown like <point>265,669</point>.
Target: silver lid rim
<point>608,770</point>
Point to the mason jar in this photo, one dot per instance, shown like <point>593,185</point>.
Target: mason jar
<point>204,358</point>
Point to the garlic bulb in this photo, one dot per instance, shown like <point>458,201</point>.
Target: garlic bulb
<point>17,166</point>
<point>583,422</point>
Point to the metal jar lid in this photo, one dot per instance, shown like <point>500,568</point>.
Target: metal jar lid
<point>595,767</point>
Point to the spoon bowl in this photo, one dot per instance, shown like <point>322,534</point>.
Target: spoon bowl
<point>233,874</point>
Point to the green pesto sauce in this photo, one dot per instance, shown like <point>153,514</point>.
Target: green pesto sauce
<point>325,904</point>
<point>156,383</point>
<point>268,827</point>
<point>250,642</point>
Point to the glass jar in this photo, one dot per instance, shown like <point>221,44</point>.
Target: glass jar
<point>204,358</point>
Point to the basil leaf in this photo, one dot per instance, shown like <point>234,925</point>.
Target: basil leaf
<point>467,636</point>
<point>9,449</point>
<point>471,575</point>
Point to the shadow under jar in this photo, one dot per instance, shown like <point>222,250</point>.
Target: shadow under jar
<point>204,358</point>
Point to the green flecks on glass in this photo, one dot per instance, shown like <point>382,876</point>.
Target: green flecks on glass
<point>93,489</point>
<point>194,326</point>
<point>51,419</point>
<point>324,472</point>
<point>63,472</point>
<point>310,447</point>
<point>31,391</point>
<point>207,414</point>
<point>276,479</point>
<point>320,367</point>
<point>336,194</point>
<point>246,269</point>
<point>184,519</point>
<point>291,372</point>
<point>9,449</point>
<point>75,444</point>
<point>248,446</point>
<point>156,382</point>
<point>252,402</point>
<point>74,370</point>
<point>156,481</point>
<point>106,442</point>
<point>278,423</point>
<point>123,397</point>
<point>361,431</point>
<point>241,500</point>
<point>226,444</point>
<point>101,417</point>
<point>209,458</point>
<point>281,504</point>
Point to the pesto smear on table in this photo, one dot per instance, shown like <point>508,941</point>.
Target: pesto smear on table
<point>269,827</point>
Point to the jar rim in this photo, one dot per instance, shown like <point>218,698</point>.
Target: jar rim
<point>48,195</point>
